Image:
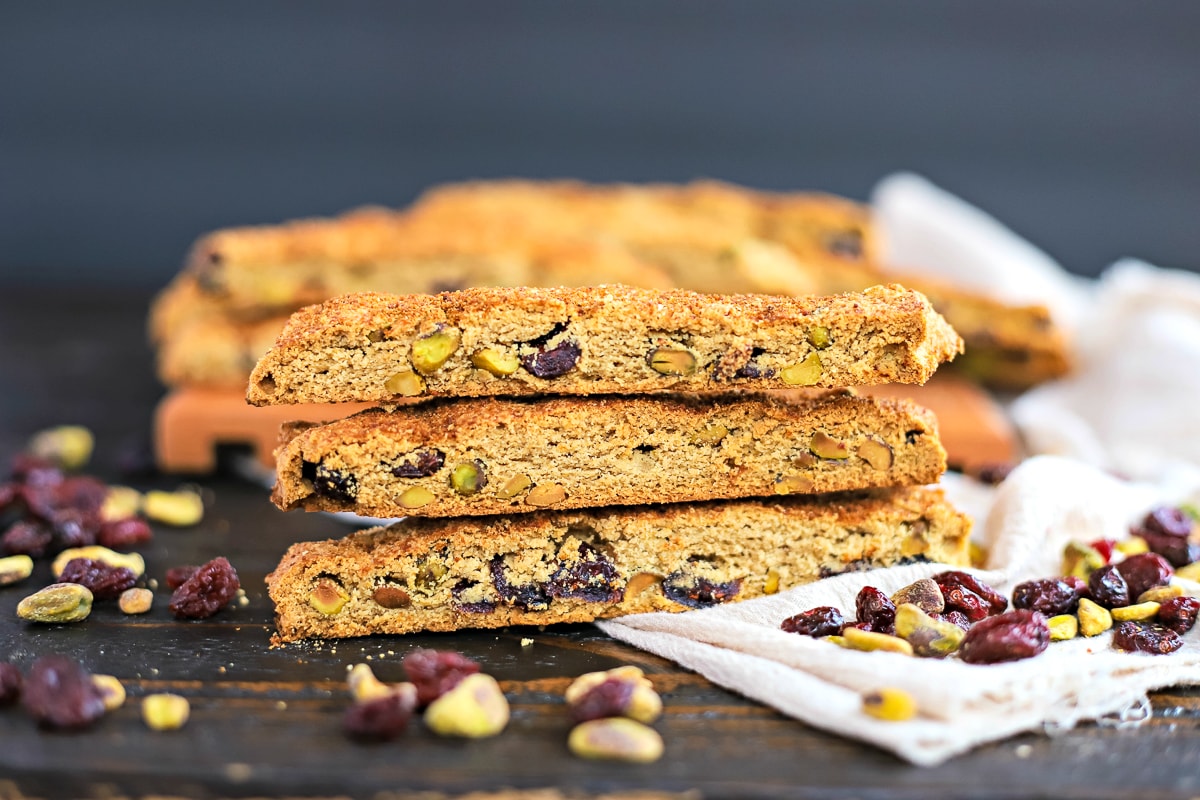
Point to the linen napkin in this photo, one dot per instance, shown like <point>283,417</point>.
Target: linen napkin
<point>1044,503</point>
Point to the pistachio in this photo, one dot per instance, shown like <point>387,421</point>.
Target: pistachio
<point>978,554</point>
<point>135,601</point>
<point>58,602</point>
<point>771,586</point>
<point>121,502</point>
<point>1160,594</point>
<point>546,495</point>
<point>415,497</point>
<point>805,461</point>
<point>876,453</point>
<point>643,703</point>
<point>818,337</point>
<point>430,575</point>
<point>825,446</point>
<point>928,637</point>
<point>364,686</point>
<point>514,486</point>
<point>165,712</point>
<point>468,477</point>
<point>69,446</point>
<point>111,691</point>
<point>1189,572</point>
<point>1133,546</point>
<point>390,596</point>
<point>328,597</point>
<point>711,435</point>
<point>1063,627</point>
<point>840,641</point>
<point>475,708</point>
<point>1094,619</point>
<point>133,561</point>
<point>405,383</point>
<point>616,739</point>
<point>180,509</point>
<point>495,362</point>
<point>925,594</point>
<point>433,350</point>
<point>869,640</point>
<point>15,569</point>
<point>1140,611</point>
<point>794,484</point>
<point>890,705</point>
<point>1081,560</point>
<point>668,361</point>
<point>806,373</point>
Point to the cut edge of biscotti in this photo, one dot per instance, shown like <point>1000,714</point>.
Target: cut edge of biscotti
<point>376,348</point>
<point>509,455</point>
<point>579,566</point>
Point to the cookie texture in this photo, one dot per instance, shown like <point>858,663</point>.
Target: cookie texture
<point>571,566</point>
<point>215,352</point>
<point>597,340</point>
<point>494,456</point>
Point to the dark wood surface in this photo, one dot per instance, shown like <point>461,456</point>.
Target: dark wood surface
<point>266,722</point>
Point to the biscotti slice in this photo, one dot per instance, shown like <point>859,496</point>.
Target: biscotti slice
<point>494,456</point>
<point>216,352</point>
<point>536,569</point>
<point>599,340</point>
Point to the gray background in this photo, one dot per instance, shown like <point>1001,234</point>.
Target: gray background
<point>127,129</point>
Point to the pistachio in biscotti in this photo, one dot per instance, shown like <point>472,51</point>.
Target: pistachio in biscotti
<point>710,435</point>
<point>497,363</point>
<point>876,453</point>
<point>544,495</point>
<point>469,477</point>
<point>415,497</point>
<point>431,351</point>
<point>793,484</point>
<point>420,463</point>
<point>806,373</point>
<point>405,383</point>
<point>328,597</point>
<point>818,337</point>
<point>826,447</point>
<point>514,486</point>
<point>671,361</point>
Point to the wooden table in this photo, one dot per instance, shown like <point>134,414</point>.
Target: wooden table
<point>267,722</point>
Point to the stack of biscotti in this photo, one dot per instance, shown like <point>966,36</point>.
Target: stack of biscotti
<point>585,453</point>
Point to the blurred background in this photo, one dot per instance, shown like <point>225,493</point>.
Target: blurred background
<point>129,128</point>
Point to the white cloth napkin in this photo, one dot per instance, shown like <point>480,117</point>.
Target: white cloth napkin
<point>1129,408</point>
<point>1043,504</point>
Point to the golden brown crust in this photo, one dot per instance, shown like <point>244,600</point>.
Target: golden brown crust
<point>564,452</point>
<point>356,348</point>
<point>579,566</point>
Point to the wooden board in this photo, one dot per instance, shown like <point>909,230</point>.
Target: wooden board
<point>266,723</point>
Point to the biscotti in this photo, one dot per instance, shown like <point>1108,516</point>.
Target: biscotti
<point>550,567</point>
<point>216,352</point>
<point>599,340</point>
<point>493,456</point>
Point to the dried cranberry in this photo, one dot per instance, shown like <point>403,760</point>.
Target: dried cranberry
<point>1145,571</point>
<point>592,577</point>
<point>82,493</point>
<point>1108,587</point>
<point>10,683</point>
<point>33,471</point>
<point>956,618</point>
<point>106,582</point>
<point>1167,531</point>
<point>206,592</point>
<point>177,576</point>
<point>607,699</point>
<point>421,464</point>
<point>1104,547</point>
<point>382,718</point>
<point>846,244</point>
<point>528,596</point>
<point>59,693</point>
<point>1135,637</point>
<point>994,602</point>
<point>27,538</point>
<point>1179,613</point>
<point>73,528</point>
<point>1006,637</point>
<point>1051,596</point>
<point>816,622</point>
<point>435,672</point>
<point>876,609</point>
<point>124,534</point>
<point>9,493</point>
<point>477,607</point>
<point>551,361</point>
<point>697,592</point>
<point>335,484</point>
